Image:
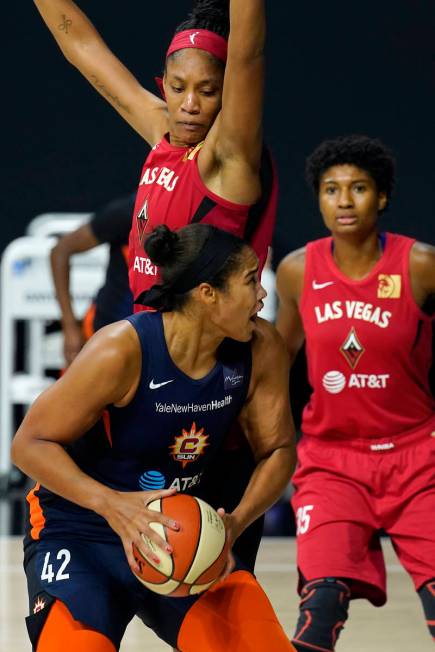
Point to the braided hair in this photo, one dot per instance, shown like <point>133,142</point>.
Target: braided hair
<point>213,15</point>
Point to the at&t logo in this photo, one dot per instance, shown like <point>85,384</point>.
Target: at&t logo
<point>334,381</point>
<point>152,480</point>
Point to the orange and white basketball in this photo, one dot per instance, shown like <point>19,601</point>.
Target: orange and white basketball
<point>199,548</point>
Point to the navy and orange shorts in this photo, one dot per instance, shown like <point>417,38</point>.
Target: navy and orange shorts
<point>347,492</point>
<point>94,581</point>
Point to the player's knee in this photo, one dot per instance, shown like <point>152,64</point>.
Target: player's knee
<point>427,597</point>
<point>323,612</point>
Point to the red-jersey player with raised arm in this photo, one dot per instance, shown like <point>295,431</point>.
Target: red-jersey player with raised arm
<point>207,161</point>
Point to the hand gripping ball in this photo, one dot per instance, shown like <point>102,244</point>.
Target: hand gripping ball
<point>200,548</point>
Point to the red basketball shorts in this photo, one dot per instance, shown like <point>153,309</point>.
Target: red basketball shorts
<point>346,492</point>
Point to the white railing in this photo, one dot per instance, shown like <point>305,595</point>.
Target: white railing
<point>27,293</point>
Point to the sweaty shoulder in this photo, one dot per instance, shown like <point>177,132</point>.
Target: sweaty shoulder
<point>290,273</point>
<point>268,348</point>
<point>422,271</point>
<point>114,351</point>
<point>117,341</point>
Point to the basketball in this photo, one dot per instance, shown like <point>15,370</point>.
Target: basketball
<point>199,548</point>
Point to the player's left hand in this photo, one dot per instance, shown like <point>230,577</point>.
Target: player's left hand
<point>231,534</point>
<point>231,526</point>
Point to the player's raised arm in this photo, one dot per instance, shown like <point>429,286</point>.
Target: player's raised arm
<point>84,48</point>
<point>240,130</point>
<point>235,141</point>
<point>268,425</point>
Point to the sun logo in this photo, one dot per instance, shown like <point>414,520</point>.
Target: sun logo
<point>189,445</point>
<point>389,286</point>
<point>38,606</point>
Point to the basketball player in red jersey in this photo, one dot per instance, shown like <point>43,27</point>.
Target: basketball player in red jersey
<point>207,161</point>
<point>207,351</point>
<point>362,300</point>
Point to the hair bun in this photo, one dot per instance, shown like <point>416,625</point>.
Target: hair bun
<point>213,10</point>
<point>161,245</point>
<point>209,14</point>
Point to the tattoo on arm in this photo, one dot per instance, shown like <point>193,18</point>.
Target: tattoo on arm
<point>115,99</point>
<point>66,24</point>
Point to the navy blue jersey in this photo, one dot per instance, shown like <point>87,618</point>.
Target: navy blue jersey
<point>112,225</point>
<point>166,437</point>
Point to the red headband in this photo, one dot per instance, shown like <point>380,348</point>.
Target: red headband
<point>202,39</point>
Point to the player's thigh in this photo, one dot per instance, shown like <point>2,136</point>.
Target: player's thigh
<point>234,615</point>
<point>91,579</point>
<point>330,486</point>
<point>230,616</point>
<point>411,522</point>
<point>62,633</point>
<point>337,534</point>
<point>165,615</point>
<point>413,536</point>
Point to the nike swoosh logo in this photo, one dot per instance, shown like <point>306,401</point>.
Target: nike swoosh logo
<point>154,385</point>
<point>319,286</point>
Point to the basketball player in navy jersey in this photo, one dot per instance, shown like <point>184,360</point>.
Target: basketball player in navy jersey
<point>363,300</point>
<point>193,366</point>
<point>207,161</point>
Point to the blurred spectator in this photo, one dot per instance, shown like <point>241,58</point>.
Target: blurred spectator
<point>114,300</point>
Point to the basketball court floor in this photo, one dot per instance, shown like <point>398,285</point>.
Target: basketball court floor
<point>397,627</point>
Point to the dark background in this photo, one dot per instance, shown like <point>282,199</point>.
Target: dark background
<point>333,68</point>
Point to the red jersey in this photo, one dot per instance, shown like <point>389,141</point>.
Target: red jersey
<point>368,346</point>
<point>171,192</point>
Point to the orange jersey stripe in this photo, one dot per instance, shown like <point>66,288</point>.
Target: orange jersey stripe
<point>37,518</point>
<point>106,422</point>
<point>88,322</point>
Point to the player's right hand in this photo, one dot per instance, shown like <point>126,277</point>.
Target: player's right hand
<point>73,342</point>
<point>128,515</point>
